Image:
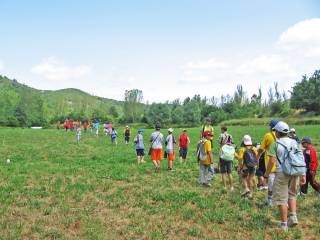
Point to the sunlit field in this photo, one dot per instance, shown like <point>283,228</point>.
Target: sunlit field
<point>55,189</point>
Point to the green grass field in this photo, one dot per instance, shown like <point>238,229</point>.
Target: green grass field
<point>56,189</point>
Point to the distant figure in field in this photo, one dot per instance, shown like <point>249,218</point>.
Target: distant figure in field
<point>77,124</point>
<point>310,157</point>
<point>207,127</point>
<point>248,161</point>
<point>96,127</point>
<point>109,127</point>
<point>183,146</point>
<point>156,153</point>
<point>170,149</point>
<point>70,125</point>
<point>58,125</point>
<point>66,125</point>
<point>127,134</point>
<point>138,140</point>
<point>268,139</point>
<point>85,125</point>
<point>293,135</point>
<point>114,136</point>
<point>78,134</point>
<point>105,128</point>
<point>91,125</point>
<point>205,158</point>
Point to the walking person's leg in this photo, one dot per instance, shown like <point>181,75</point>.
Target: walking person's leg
<point>313,182</point>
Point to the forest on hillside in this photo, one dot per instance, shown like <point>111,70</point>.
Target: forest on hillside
<point>23,106</point>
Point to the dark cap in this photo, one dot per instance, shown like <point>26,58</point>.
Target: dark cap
<point>306,140</point>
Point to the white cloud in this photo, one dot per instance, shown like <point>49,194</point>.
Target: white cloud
<point>212,63</point>
<point>264,64</point>
<point>303,38</point>
<point>54,69</point>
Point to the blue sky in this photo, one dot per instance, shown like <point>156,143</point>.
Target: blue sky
<point>169,49</point>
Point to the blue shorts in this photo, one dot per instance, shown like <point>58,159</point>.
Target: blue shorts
<point>140,152</point>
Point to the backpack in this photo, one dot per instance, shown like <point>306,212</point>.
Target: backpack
<point>250,158</point>
<point>227,152</point>
<point>293,163</point>
<point>201,152</point>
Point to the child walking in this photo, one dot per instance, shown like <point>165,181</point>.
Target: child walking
<point>138,140</point>
<point>205,159</point>
<point>183,146</point>
<point>127,135</point>
<point>170,142</point>
<point>78,134</point>
<point>114,136</point>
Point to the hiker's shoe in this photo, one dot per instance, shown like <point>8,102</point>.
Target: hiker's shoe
<point>293,221</point>
<point>283,226</point>
<point>245,193</point>
<point>170,170</point>
<point>249,195</point>
<point>231,189</point>
<point>143,161</point>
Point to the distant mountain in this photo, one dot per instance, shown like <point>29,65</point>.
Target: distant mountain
<point>21,105</point>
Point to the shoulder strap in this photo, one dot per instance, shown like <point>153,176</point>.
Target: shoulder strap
<point>155,139</point>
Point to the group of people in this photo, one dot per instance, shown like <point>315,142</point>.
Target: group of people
<point>278,162</point>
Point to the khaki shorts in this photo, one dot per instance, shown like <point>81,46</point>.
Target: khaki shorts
<point>284,187</point>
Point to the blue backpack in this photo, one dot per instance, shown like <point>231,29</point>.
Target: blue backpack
<point>293,163</point>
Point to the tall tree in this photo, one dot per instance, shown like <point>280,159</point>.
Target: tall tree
<point>132,104</point>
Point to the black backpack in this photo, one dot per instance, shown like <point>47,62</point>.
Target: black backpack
<point>250,158</point>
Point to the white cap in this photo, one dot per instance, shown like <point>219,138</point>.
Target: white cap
<point>127,126</point>
<point>292,130</point>
<point>170,130</point>
<point>281,127</point>
<point>247,140</point>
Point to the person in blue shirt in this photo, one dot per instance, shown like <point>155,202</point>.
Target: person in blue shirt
<point>138,140</point>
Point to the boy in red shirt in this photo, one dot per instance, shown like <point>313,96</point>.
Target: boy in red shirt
<point>310,157</point>
<point>183,146</point>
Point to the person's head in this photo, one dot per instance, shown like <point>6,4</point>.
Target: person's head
<point>292,131</point>
<point>306,142</point>
<point>224,129</point>
<point>127,127</point>
<point>273,123</point>
<point>207,135</point>
<point>184,132</point>
<point>247,141</point>
<point>282,129</point>
<point>170,130</point>
<point>157,127</point>
<point>140,131</point>
<point>112,129</point>
<point>207,121</point>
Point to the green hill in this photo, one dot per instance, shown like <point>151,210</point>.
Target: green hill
<point>21,105</point>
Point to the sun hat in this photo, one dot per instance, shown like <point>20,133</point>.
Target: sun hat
<point>292,130</point>
<point>170,130</point>
<point>281,127</point>
<point>140,130</point>
<point>247,140</point>
<point>273,122</point>
<point>306,140</point>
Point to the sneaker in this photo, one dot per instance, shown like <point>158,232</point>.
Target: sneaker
<point>269,202</point>
<point>249,195</point>
<point>283,226</point>
<point>245,193</point>
<point>293,221</point>
<point>265,188</point>
<point>208,184</point>
<point>231,189</point>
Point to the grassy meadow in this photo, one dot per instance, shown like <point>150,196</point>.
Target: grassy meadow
<point>56,189</point>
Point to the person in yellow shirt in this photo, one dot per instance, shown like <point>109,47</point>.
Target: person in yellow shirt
<point>247,163</point>
<point>206,170</point>
<point>267,141</point>
<point>207,127</point>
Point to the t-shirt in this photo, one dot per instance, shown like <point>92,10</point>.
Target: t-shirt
<point>240,154</point>
<point>156,139</point>
<point>114,134</point>
<point>223,138</point>
<point>96,125</point>
<point>208,150</point>
<point>170,143</point>
<point>267,141</point>
<point>277,150</point>
<point>183,141</point>
<point>311,159</point>
<point>139,141</point>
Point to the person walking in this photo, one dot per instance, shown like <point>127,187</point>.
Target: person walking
<point>127,134</point>
<point>156,153</point>
<point>285,188</point>
<point>184,142</point>
<point>205,159</point>
<point>170,149</point>
<point>138,140</point>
